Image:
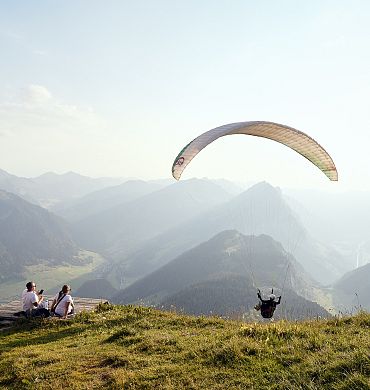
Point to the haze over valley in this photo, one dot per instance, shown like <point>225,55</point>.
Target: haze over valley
<point>194,178</point>
<point>190,245</point>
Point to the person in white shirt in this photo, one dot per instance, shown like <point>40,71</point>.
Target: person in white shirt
<point>62,304</point>
<point>31,300</point>
<point>24,292</point>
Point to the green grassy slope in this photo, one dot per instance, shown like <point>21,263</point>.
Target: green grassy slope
<point>127,347</point>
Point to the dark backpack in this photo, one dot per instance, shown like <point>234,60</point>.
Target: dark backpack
<point>267,310</point>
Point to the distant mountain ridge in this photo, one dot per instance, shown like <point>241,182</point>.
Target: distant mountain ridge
<point>341,219</point>
<point>104,199</point>
<point>123,228</point>
<point>142,225</point>
<point>229,262</point>
<point>232,296</point>
<point>347,214</point>
<point>20,186</point>
<point>261,209</point>
<point>29,235</point>
<point>352,289</point>
<point>260,258</point>
<point>96,288</point>
<point>71,185</point>
<point>50,188</point>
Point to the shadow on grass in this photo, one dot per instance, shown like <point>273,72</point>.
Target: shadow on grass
<point>50,337</point>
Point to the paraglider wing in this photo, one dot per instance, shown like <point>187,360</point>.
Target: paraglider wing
<point>294,139</point>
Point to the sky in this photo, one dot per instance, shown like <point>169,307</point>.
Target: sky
<point>117,88</point>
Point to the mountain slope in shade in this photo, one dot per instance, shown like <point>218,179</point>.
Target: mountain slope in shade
<point>260,210</point>
<point>234,296</point>
<point>97,288</point>
<point>352,290</point>
<point>104,199</point>
<point>123,228</point>
<point>29,235</point>
<point>258,260</point>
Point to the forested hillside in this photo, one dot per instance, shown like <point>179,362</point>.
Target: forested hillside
<point>96,288</point>
<point>234,296</point>
<point>222,276</point>
<point>30,235</point>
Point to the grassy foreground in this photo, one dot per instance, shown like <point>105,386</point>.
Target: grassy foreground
<point>127,347</point>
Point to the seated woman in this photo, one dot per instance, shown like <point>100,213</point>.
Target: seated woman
<point>32,302</point>
<point>62,305</point>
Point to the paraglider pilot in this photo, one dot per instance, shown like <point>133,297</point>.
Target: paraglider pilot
<point>267,306</point>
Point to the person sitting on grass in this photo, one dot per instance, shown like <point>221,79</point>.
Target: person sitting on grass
<point>62,305</point>
<point>31,300</point>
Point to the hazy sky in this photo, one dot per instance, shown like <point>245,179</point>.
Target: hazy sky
<point>117,88</point>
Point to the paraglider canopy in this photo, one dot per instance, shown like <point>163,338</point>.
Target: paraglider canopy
<point>294,139</point>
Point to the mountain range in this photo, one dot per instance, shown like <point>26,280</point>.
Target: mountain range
<point>261,209</point>
<point>220,277</point>
<point>30,235</point>
<point>125,227</point>
<point>141,227</point>
<point>96,202</point>
<point>50,188</point>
